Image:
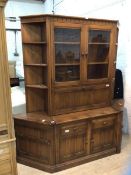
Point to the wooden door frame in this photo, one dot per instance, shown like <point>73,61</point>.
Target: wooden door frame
<point>6,121</point>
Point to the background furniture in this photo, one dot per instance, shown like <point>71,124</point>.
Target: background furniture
<point>14,81</point>
<point>12,69</point>
<point>7,138</point>
<point>69,65</point>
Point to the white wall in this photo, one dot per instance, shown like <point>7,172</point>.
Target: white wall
<point>17,8</point>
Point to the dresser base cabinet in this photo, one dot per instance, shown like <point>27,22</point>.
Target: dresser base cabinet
<point>63,141</point>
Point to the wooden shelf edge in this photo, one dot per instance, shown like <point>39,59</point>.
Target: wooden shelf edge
<point>37,86</point>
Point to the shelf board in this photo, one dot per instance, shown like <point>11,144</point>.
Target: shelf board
<point>71,43</point>
<point>34,42</point>
<point>67,64</point>
<point>90,63</point>
<point>36,65</point>
<point>97,43</point>
<point>37,86</point>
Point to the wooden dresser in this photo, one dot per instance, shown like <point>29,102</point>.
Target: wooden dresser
<point>7,137</point>
<point>69,66</point>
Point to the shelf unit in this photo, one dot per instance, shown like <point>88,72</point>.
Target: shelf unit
<point>34,41</point>
<point>69,66</point>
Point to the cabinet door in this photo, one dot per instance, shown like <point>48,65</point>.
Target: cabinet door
<point>72,141</point>
<point>34,143</point>
<point>67,53</point>
<point>102,134</point>
<point>100,49</point>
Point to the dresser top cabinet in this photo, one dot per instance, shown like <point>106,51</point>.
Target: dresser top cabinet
<point>66,61</point>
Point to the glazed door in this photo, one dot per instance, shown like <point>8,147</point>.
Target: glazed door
<point>67,44</point>
<point>100,53</point>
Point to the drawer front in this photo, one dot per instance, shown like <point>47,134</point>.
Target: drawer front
<point>33,133</point>
<point>103,122</point>
<point>67,130</point>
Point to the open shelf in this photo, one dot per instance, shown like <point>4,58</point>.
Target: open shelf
<point>35,75</point>
<point>36,99</point>
<point>34,32</point>
<point>35,54</point>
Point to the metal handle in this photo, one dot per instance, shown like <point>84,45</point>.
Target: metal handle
<point>104,123</point>
<point>67,131</point>
<point>107,85</point>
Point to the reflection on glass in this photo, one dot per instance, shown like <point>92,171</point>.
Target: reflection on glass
<point>67,35</point>
<point>67,53</point>
<point>67,73</point>
<point>97,71</point>
<point>99,36</point>
<point>98,52</point>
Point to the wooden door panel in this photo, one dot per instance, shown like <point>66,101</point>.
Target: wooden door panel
<point>102,134</point>
<point>80,145</point>
<point>72,141</point>
<point>102,139</point>
<point>66,148</point>
<point>108,137</point>
<point>37,150</point>
<point>80,98</point>
<point>34,143</point>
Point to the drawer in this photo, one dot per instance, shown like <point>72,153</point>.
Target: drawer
<point>103,122</point>
<point>73,129</point>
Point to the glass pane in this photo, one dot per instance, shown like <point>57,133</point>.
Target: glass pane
<point>98,52</point>
<point>99,36</point>
<point>96,71</point>
<point>67,73</point>
<point>67,53</point>
<point>67,35</point>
